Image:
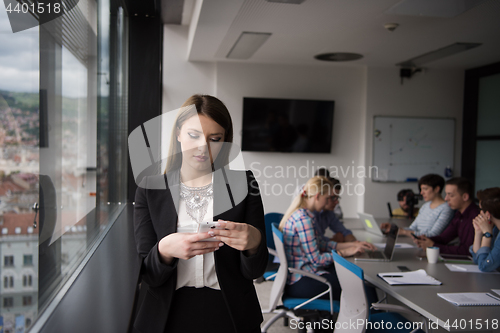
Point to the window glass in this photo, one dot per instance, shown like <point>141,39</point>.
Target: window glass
<point>63,149</point>
<point>8,302</point>
<point>19,167</point>
<point>28,259</point>
<point>487,161</point>
<point>8,261</point>
<point>488,116</point>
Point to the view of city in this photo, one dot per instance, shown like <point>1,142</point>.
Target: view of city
<point>19,191</point>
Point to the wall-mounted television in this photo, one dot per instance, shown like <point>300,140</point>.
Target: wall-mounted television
<point>287,125</point>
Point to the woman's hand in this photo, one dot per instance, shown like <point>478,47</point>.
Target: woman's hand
<point>404,232</point>
<point>482,223</point>
<point>240,236</point>
<point>349,249</point>
<point>366,245</point>
<point>185,246</point>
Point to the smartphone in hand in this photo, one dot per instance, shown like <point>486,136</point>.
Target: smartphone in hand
<point>206,227</point>
<point>415,236</point>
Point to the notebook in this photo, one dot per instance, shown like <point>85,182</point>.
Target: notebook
<point>413,277</point>
<point>467,269</point>
<point>470,299</point>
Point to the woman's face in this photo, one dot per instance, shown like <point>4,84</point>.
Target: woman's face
<point>428,193</point>
<point>201,141</point>
<point>322,201</point>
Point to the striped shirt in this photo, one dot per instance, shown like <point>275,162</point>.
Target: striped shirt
<point>304,248</point>
<point>432,222</point>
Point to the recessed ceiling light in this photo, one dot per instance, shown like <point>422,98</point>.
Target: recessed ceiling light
<point>247,44</point>
<point>338,56</point>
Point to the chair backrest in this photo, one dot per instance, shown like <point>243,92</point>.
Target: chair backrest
<point>269,219</point>
<point>280,279</point>
<point>353,302</point>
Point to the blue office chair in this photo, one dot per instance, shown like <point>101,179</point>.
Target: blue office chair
<point>269,219</point>
<point>354,305</point>
<point>292,306</point>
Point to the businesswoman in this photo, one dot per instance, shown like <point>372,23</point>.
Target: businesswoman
<point>200,282</point>
<point>486,247</point>
<point>307,250</point>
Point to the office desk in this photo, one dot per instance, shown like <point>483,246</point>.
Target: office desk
<point>424,299</point>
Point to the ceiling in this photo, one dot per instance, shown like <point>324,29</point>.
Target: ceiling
<point>301,31</point>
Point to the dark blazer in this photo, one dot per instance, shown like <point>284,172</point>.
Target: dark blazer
<point>236,198</point>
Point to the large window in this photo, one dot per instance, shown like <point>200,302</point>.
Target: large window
<point>481,135</point>
<point>63,149</point>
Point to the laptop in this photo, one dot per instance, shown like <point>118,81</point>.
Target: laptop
<point>388,252</point>
<point>370,224</point>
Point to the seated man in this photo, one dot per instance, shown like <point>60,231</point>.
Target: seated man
<point>404,208</point>
<point>459,197</point>
<point>328,219</point>
<point>434,215</point>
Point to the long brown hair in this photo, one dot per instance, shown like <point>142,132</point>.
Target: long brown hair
<point>315,185</point>
<point>210,107</point>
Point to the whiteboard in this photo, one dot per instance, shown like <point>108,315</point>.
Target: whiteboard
<point>407,148</point>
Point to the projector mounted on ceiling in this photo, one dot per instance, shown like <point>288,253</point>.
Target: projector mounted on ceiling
<point>438,54</point>
<point>414,65</point>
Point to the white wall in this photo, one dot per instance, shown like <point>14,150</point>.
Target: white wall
<point>181,78</point>
<point>344,85</point>
<point>435,93</point>
<point>359,94</point>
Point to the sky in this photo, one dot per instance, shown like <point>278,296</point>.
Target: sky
<point>19,62</point>
<point>18,57</point>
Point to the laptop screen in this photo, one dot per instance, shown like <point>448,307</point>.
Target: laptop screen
<point>392,235</point>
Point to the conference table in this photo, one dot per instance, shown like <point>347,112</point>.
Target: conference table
<point>423,298</point>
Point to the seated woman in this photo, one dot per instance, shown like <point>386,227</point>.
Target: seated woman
<point>196,285</point>
<point>486,247</point>
<point>307,250</point>
<point>434,215</point>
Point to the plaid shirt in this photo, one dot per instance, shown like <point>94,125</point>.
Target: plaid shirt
<point>304,248</point>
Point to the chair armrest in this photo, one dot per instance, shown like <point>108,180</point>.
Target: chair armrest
<point>308,274</point>
<point>392,308</point>
<point>272,252</point>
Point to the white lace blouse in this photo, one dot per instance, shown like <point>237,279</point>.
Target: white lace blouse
<point>198,271</point>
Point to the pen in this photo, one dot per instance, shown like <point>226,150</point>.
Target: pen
<point>460,268</point>
<point>392,276</point>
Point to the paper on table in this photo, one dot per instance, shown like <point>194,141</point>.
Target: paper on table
<point>496,291</point>
<point>464,268</point>
<point>398,245</point>
<point>414,277</point>
<point>470,299</point>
